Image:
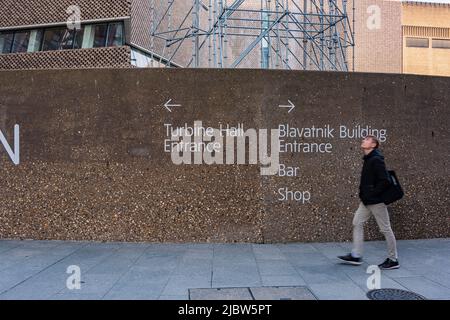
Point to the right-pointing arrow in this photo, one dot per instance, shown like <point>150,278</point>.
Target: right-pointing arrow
<point>291,106</point>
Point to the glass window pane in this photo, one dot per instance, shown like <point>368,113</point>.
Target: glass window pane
<point>441,43</point>
<point>20,43</point>
<point>35,40</point>
<point>417,42</point>
<point>68,39</point>
<point>115,35</point>
<point>100,31</point>
<point>88,37</point>
<point>6,40</point>
<point>53,38</point>
<point>78,41</point>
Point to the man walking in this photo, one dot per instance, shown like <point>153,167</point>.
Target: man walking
<point>374,181</point>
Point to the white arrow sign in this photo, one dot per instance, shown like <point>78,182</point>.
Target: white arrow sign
<point>168,105</point>
<point>291,106</point>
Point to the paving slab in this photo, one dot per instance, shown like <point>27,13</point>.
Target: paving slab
<point>220,294</point>
<point>38,269</point>
<point>282,293</point>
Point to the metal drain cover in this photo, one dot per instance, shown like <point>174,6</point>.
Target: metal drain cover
<point>393,294</point>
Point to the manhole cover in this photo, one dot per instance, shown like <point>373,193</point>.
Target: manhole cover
<point>393,294</point>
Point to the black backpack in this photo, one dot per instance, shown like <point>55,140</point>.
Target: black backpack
<point>395,190</point>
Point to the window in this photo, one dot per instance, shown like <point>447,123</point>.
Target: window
<point>78,40</point>
<point>115,35</point>
<point>100,32</point>
<point>417,42</point>
<point>441,43</point>
<point>53,38</point>
<point>6,40</point>
<point>73,39</point>
<point>20,43</point>
<point>35,40</point>
<point>103,35</point>
<point>60,38</point>
<point>68,39</point>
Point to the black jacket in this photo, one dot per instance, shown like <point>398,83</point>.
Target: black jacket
<point>374,178</point>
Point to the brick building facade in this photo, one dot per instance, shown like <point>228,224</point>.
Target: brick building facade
<point>378,36</point>
<point>426,38</point>
<point>390,36</point>
<point>113,34</point>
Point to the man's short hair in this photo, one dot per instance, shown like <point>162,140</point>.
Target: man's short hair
<point>374,139</point>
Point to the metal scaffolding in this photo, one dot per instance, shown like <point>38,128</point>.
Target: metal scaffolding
<point>275,34</point>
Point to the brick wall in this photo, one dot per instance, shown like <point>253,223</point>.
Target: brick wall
<point>30,12</point>
<point>141,28</point>
<point>114,57</point>
<point>16,13</point>
<point>426,14</point>
<point>378,49</point>
<point>430,21</point>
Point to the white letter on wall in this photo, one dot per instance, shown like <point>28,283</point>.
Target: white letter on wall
<point>14,156</point>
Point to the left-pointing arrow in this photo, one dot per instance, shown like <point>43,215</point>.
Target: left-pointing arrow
<point>169,105</point>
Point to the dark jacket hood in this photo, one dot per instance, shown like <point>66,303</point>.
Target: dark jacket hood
<point>374,153</point>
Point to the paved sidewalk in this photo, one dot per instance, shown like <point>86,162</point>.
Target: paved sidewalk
<point>37,269</point>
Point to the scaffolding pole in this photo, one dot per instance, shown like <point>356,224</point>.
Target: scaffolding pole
<point>278,34</point>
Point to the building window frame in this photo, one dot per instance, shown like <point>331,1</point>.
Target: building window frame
<point>90,35</point>
<point>81,39</point>
<point>415,42</point>
<point>435,43</point>
<point>11,41</point>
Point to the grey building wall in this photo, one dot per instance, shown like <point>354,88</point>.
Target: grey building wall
<point>93,166</point>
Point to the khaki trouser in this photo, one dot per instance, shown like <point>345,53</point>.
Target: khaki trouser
<point>380,212</point>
